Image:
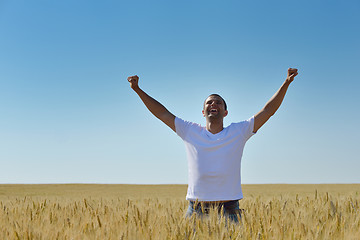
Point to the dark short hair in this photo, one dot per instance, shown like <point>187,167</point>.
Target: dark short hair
<point>217,95</point>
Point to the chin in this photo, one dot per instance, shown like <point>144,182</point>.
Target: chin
<point>213,116</point>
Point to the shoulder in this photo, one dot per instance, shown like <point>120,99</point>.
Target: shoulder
<point>243,123</point>
<point>183,127</point>
<point>245,126</point>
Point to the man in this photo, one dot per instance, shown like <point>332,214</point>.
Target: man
<point>214,152</point>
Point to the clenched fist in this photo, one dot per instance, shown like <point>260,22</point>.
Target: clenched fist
<point>292,72</point>
<point>134,81</point>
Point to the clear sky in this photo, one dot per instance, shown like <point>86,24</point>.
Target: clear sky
<point>68,115</point>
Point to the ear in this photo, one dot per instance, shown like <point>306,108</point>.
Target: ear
<point>226,113</point>
<point>203,112</point>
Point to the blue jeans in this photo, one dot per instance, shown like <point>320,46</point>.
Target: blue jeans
<point>230,209</point>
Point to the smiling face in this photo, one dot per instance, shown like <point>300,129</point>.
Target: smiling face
<point>214,107</point>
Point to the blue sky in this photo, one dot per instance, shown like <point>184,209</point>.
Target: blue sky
<point>67,114</point>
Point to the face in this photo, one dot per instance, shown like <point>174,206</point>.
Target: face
<point>214,107</point>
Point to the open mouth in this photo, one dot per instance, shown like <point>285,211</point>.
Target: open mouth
<point>213,110</point>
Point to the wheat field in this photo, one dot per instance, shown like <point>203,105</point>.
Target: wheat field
<point>93,211</point>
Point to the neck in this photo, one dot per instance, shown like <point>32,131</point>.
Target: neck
<point>214,126</point>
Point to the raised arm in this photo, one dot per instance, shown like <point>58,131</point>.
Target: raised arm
<point>274,103</point>
<point>156,108</point>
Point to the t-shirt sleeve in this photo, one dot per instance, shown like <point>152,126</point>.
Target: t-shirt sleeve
<point>181,127</point>
<point>246,127</point>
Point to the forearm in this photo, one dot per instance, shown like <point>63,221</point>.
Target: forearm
<point>274,103</point>
<point>156,108</point>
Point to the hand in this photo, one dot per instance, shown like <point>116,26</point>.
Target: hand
<point>292,72</point>
<point>134,81</point>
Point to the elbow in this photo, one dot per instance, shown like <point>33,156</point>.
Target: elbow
<point>269,111</point>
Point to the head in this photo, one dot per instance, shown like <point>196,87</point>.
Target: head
<point>214,107</point>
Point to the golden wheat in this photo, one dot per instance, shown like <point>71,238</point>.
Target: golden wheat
<point>157,212</point>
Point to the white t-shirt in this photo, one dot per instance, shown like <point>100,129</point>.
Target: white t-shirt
<point>214,160</point>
